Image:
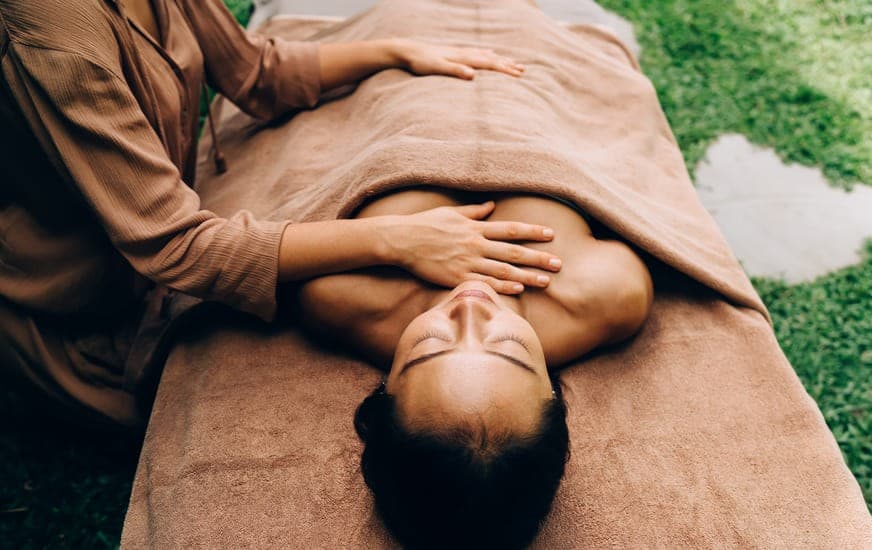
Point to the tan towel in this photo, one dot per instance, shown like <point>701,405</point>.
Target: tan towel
<point>696,433</point>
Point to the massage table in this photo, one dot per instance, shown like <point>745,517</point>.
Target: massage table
<point>695,433</point>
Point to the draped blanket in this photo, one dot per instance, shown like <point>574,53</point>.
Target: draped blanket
<point>696,433</point>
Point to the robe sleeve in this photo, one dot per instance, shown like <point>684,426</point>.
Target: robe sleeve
<point>87,117</point>
<point>265,77</point>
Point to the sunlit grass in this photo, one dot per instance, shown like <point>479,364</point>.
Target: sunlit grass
<point>766,69</point>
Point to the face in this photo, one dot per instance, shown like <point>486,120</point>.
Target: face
<point>471,356</point>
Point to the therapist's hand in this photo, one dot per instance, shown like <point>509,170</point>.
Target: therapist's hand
<point>348,62</point>
<point>449,245</point>
<point>422,59</point>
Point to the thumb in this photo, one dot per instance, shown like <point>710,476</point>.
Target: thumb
<point>459,70</point>
<point>476,211</point>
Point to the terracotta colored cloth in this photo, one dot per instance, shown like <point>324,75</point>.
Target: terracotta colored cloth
<point>696,433</point>
<point>99,125</point>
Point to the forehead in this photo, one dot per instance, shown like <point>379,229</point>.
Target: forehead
<point>454,369</point>
<point>462,385</point>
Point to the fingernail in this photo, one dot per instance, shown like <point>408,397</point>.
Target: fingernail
<point>518,287</point>
<point>548,232</point>
<point>555,263</point>
<point>542,279</point>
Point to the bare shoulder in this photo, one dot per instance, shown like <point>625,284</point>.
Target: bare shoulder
<point>370,308</point>
<point>603,293</point>
<point>614,281</point>
<point>602,297</point>
<point>337,300</point>
<point>367,308</point>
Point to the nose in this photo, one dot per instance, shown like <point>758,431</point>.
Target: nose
<point>470,317</point>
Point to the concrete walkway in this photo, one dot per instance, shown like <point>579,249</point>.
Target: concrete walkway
<point>782,220</point>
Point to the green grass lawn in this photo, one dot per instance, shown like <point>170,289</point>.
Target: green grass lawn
<point>787,74</point>
<point>61,487</point>
<point>790,74</point>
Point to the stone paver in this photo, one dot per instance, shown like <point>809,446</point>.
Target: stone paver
<point>570,11</point>
<point>782,220</point>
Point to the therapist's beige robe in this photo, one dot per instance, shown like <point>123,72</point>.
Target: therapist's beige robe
<point>99,124</point>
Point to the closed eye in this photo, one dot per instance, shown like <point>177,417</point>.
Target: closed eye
<point>513,338</point>
<point>431,334</point>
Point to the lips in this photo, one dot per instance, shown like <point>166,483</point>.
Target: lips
<point>473,294</point>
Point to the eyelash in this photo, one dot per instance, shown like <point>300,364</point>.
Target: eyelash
<point>430,334</point>
<point>513,338</point>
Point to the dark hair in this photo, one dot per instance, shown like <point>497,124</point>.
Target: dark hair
<point>466,488</point>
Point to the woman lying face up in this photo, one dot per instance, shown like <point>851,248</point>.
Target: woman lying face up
<point>466,440</point>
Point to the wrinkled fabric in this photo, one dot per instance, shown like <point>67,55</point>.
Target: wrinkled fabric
<point>694,434</point>
<point>100,124</point>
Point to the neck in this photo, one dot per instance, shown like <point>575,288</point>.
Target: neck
<point>430,299</point>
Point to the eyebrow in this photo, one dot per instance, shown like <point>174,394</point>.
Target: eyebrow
<point>427,356</point>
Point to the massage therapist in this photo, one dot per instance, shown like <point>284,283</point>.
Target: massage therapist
<point>99,120</point>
